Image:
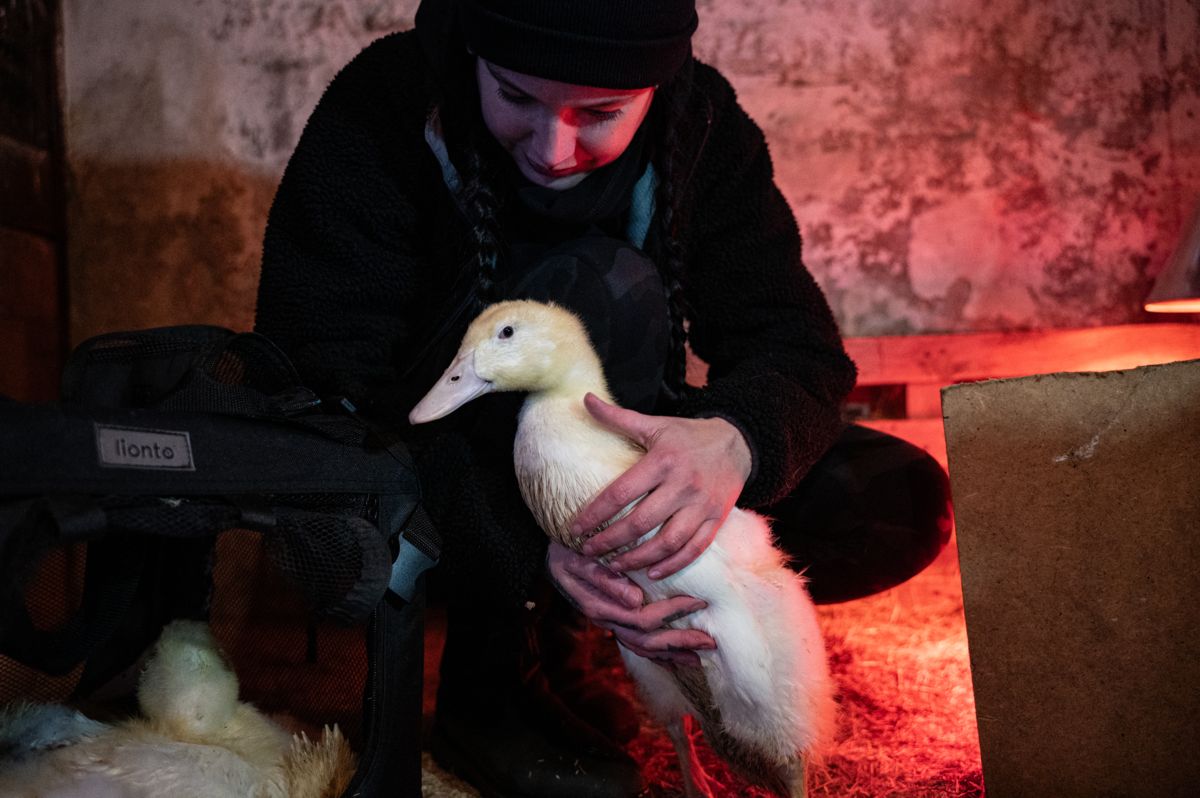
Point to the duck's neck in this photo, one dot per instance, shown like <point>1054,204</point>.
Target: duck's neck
<point>584,376</point>
<point>563,456</point>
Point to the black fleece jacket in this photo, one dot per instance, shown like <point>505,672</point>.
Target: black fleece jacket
<point>365,253</point>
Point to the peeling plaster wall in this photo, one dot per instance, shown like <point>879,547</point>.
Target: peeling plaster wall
<point>179,120</point>
<point>955,165</point>
<point>975,165</point>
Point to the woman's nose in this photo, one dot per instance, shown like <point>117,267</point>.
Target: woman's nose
<point>554,142</point>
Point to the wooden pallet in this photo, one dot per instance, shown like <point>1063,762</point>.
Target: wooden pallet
<point>924,364</point>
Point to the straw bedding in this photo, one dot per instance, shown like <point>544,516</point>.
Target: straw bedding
<point>907,723</point>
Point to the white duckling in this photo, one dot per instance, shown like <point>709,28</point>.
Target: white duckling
<point>763,697</point>
<point>195,739</point>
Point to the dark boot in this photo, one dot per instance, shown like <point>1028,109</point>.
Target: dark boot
<point>872,513</point>
<point>498,727</point>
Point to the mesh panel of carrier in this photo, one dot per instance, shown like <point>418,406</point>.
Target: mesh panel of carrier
<point>51,598</point>
<point>311,671</point>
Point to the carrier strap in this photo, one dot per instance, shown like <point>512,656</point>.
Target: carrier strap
<point>419,551</point>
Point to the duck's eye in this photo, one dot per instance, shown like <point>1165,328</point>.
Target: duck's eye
<point>507,332</point>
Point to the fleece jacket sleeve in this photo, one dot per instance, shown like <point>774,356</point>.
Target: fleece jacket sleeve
<point>342,274</point>
<point>777,368</point>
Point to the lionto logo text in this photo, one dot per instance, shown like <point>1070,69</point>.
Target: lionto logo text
<point>139,447</point>
<point>150,451</point>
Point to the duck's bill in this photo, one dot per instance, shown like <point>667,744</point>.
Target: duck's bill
<point>459,385</point>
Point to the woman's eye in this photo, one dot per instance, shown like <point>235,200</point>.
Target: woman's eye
<point>507,332</point>
<point>604,115</point>
<point>514,99</point>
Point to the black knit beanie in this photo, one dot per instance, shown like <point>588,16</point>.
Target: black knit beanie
<point>611,44</point>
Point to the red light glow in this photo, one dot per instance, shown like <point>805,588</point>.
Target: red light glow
<point>1174,306</point>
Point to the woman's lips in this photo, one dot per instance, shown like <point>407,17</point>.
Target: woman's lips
<point>554,174</point>
<point>557,179</point>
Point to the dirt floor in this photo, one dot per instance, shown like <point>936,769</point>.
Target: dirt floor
<point>907,725</point>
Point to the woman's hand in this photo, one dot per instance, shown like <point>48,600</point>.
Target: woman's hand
<point>692,473</point>
<point>614,602</point>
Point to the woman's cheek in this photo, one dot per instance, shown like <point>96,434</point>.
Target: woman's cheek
<point>601,150</point>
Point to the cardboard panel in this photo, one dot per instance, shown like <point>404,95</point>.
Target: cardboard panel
<point>1077,501</point>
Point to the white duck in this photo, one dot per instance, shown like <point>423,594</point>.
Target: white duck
<point>764,696</point>
<point>195,739</point>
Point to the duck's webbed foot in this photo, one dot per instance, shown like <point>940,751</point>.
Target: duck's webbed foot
<point>696,782</point>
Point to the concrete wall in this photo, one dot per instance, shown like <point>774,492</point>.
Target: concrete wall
<point>957,165</point>
<point>964,165</point>
<point>179,120</point>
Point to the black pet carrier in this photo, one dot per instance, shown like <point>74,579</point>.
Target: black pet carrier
<point>187,473</point>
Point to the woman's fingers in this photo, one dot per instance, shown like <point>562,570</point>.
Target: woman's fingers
<point>661,641</point>
<point>674,535</point>
<point>649,617</point>
<point>684,486</point>
<point>648,514</point>
<point>676,551</point>
<point>638,427</point>
<point>688,553</point>
<point>645,633</point>
<point>605,598</point>
<point>639,480</point>
<point>667,659</point>
<point>588,585</point>
<point>669,647</point>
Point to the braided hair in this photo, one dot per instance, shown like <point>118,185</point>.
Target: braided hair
<point>671,108</point>
<point>482,204</point>
<point>473,152</point>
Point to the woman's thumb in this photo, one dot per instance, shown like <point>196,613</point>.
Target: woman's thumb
<point>630,423</point>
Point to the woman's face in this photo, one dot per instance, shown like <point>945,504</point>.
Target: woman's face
<point>558,132</point>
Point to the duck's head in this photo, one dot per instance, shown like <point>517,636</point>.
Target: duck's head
<point>188,687</point>
<point>518,345</point>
